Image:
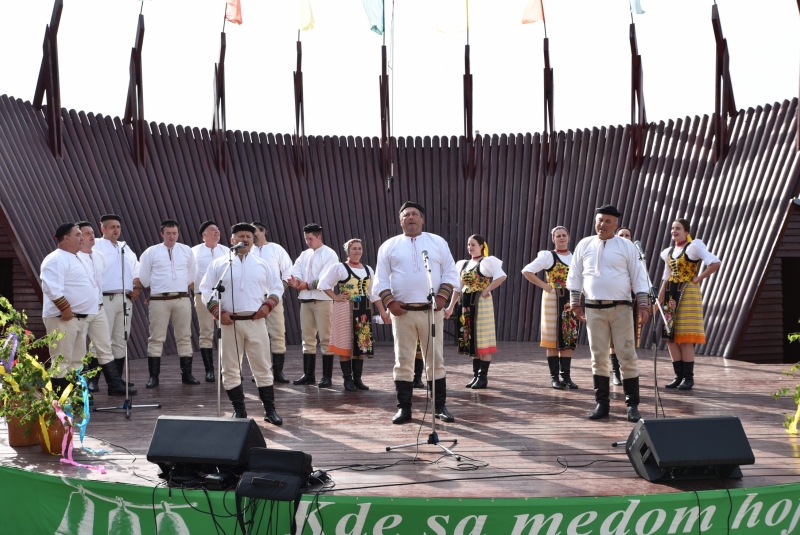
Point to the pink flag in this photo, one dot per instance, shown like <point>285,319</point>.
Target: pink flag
<point>534,12</point>
<point>233,12</point>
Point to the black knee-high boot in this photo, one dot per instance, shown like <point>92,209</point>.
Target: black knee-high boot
<point>91,383</point>
<point>615,369</point>
<point>419,367</point>
<point>358,369</point>
<point>476,367</point>
<point>236,395</point>
<point>688,376</point>
<point>347,373</point>
<point>404,390</point>
<point>566,363</point>
<point>154,367</point>
<point>267,396</point>
<point>309,366</point>
<point>601,395</point>
<point>552,363</point>
<point>482,373</point>
<point>327,371</point>
<point>677,365</point>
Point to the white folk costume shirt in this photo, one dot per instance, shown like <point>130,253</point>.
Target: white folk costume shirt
<point>203,256</point>
<point>95,264</point>
<point>276,256</point>
<point>401,270</point>
<point>310,266</point>
<point>337,272</point>
<point>65,282</point>
<point>697,251</point>
<point>254,283</point>
<point>544,260</point>
<point>167,273</point>
<point>491,267</point>
<point>113,254</point>
<point>606,270</point>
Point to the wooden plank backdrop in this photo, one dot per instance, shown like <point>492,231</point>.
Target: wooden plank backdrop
<point>738,205</point>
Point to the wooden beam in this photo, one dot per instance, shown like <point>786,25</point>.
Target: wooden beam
<point>469,164</point>
<point>49,82</point>
<point>638,112</point>
<point>724,102</point>
<point>387,167</point>
<point>548,140</point>
<point>299,113</point>
<point>134,104</point>
<point>219,125</point>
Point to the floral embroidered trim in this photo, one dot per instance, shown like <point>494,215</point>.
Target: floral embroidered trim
<point>445,290</point>
<point>643,300</point>
<point>272,302</point>
<point>213,307</point>
<point>574,298</point>
<point>363,333</point>
<point>387,297</point>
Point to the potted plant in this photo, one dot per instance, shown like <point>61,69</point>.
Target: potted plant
<point>27,393</point>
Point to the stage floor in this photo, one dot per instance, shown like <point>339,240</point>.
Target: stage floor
<point>518,438</point>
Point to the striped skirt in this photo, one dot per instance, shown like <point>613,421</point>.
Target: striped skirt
<point>684,308</point>
<point>476,334</point>
<point>552,322</point>
<point>347,323</point>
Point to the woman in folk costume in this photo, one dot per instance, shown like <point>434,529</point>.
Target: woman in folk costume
<point>351,319</point>
<point>559,328</point>
<point>475,309</point>
<point>624,232</point>
<point>682,301</point>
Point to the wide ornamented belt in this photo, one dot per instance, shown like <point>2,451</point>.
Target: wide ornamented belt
<point>169,296</point>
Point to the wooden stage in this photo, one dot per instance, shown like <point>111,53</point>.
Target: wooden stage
<point>519,426</point>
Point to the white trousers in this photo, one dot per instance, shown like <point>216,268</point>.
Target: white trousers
<point>112,306</point>
<point>246,336</point>
<point>407,329</point>
<point>603,324</point>
<point>97,329</point>
<point>179,311</point>
<point>316,318</point>
<point>72,345</point>
<point>276,325</point>
<point>206,321</point>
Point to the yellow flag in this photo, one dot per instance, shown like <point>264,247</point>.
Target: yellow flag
<point>306,18</point>
<point>451,16</point>
<point>534,12</point>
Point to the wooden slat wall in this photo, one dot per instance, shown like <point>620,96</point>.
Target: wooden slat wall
<point>512,200</point>
<point>25,298</point>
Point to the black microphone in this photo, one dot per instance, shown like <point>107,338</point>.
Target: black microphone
<point>638,246</point>
<point>237,246</point>
<point>425,257</point>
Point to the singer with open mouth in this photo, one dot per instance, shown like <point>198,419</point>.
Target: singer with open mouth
<point>401,281</point>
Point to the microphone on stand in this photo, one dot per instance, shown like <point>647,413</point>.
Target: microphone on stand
<point>425,258</point>
<point>237,246</point>
<point>638,246</point>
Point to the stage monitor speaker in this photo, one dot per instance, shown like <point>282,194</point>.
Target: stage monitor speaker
<point>218,442</point>
<point>689,448</point>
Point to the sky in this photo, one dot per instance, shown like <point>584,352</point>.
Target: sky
<point>589,51</point>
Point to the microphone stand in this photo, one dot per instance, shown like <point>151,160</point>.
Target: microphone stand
<point>218,290</point>
<point>433,437</point>
<point>653,295</point>
<point>126,404</point>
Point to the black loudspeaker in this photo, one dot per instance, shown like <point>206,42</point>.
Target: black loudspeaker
<point>295,463</point>
<point>689,448</point>
<point>214,442</point>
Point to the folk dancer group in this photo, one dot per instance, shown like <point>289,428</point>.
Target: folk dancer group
<point>88,283</point>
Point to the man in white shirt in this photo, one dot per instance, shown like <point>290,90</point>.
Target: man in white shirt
<point>69,298</point>
<point>120,261</point>
<point>315,305</point>
<point>97,324</point>
<point>401,282</point>
<point>605,268</point>
<point>277,257</point>
<point>168,270</point>
<point>204,254</point>
<point>252,291</point>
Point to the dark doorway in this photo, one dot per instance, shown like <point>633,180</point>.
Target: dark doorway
<point>790,268</point>
<point>7,278</point>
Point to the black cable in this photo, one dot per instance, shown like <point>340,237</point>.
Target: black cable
<point>699,510</point>
<point>133,461</point>
<point>730,510</point>
<point>153,504</point>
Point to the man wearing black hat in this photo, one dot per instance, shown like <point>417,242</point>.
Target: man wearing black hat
<point>97,324</point>
<point>252,291</point>
<point>204,254</point>
<point>315,305</point>
<point>277,257</point>
<point>605,268</point>
<point>168,269</point>
<point>114,251</point>
<point>69,298</point>
<point>402,283</point>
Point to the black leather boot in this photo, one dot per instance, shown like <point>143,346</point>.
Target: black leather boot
<point>58,384</point>
<point>404,390</point>
<point>327,371</point>
<point>688,376</point>
<point>439,402</point>
<point>419,368</point>
<point>91,383</point>
<point>186,371</point>
<point>677,365</point>
<point>566,364</point>
<point>309,365</point>
<point>267,395</point>
<point>236,395</point>
<point>482,373</point>
<point>615,369</point>
<point>120,364</point>
<point>277,368</point>
<point>476,368</point>
<point>347,373</point>
<point>154,366</point>
<point>208,363</point>
<point>358,369</point>
<point>631,389</point>
<point>116,386</point>
<point>552,363</point>
<point>601,395</point>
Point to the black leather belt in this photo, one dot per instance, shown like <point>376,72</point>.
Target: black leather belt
<point>241,317</point>
<point>169,297</point>
<point>311,300</point>
<point>607,304</point>
<point>415,307</point>
<point>79,316</point>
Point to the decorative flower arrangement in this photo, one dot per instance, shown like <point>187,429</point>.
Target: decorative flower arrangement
<point>364,333</point>
<point>26,389</point>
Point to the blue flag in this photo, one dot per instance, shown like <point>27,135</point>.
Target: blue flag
<point>374,9</point>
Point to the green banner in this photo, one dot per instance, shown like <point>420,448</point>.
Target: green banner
<point>43,504</point>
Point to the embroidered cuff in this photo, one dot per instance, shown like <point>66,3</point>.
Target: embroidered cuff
<point>643,300</point>
<point>574,298</point>
<point>61,303</point>
<point>271,302</point>
<point>445,290</point>
<point>313,284</point>
<point>213,307</point>
<point>387,297</point>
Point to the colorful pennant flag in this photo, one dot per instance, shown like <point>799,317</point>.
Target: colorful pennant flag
<point>451,16</point>
<point>374,9</point>
<point>534,12</point>
<point>306,18</point>
<point>233,12</point>
<point>636,7</point>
